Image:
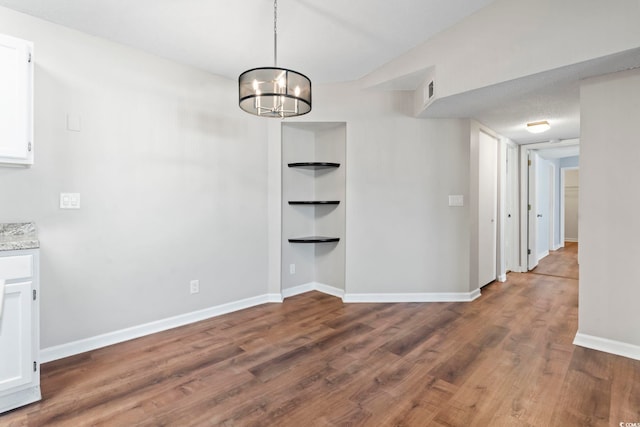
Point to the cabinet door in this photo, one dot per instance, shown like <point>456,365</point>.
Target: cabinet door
<point>16,353</point>
<point>16,99</point>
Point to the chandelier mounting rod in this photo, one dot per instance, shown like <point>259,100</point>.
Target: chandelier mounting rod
<point>275,33</point>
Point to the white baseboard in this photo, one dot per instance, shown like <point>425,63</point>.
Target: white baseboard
<point>502,278</point>
<point>274,298</point>
<point>383,298</point>
<point>329,290</point>
<point>414,297</point>
<point>297,290</point>
<point>571,239</point>
<point>80,346</point>
<point>609,346</point>
<point>556,247</point>
<point>312,286</point>
<point>20,398</point>
<point>76,347</point>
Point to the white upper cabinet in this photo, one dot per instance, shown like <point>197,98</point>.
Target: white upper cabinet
<point>16,101</point>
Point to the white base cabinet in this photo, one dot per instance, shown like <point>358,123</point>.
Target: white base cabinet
<point>19,329</point>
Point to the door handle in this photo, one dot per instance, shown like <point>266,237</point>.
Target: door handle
<point>539,215</point>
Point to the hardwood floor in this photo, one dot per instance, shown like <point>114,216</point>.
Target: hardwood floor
<point>506,359</point>
<point>562,263</point>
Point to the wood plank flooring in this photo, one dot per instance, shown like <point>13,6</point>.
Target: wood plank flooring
<point>562,263</point>
<point>506,359</point>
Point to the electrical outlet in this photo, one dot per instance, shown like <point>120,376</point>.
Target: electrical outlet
<point>69,200</point>
<point>194,286</point>
<point>292,269</point>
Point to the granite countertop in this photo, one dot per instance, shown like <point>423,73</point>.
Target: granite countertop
<point>20,235</point>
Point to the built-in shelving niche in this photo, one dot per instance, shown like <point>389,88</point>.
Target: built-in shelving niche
<point>313,203</point>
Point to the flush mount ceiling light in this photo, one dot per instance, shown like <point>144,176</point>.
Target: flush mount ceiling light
<point>274,91</point>
<point>538,127</point>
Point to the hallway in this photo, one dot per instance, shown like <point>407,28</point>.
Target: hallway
<point>560,263</point>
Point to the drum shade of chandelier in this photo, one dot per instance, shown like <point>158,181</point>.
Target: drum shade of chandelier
<point>273,91</point>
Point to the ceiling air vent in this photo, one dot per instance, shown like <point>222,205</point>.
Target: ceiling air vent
<point>428,92</point>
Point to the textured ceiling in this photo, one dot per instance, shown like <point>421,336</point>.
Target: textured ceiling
<point>553,95</point>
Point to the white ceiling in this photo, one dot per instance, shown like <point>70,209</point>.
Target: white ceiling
<point>329,41</point>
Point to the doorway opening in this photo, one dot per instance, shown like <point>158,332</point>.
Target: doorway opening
<point>543,176</point>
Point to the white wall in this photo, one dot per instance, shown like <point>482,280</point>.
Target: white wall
<point>525,37</point>
<point>172,177</point>
<point>609,205</point>
<point>401,235</point>
<point>331,185</point>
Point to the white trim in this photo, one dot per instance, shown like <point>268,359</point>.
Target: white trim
<point>87,344</point>
<point>329,290</point>
<point>20,398</point>
<point>76,347</point>
<point>313,286</point>
<point>297,290</point>
<point>414,297</point>
<point>502,277</point>
<point>570,239</point>
<point>609,346</point>
<point>277,298</point>
<point>556,247</point>
<point>542,255</point>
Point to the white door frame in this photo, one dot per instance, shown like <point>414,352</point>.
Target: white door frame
<point>496,219</point>
<point>524,178</point>
<point>532,209</point>
<point>553,183</point>
<point>563,170</point>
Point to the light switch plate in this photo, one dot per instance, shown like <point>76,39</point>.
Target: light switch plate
<point>456,200</point>
<point>69,200</point>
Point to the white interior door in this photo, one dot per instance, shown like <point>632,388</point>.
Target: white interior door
<point>542,219</point>
<point>487,209</point>
<point>532,220</point>
<point>552,207</point>
<point>512,217</point>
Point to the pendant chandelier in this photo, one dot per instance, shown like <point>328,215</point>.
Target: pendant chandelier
<point>274,91</point>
